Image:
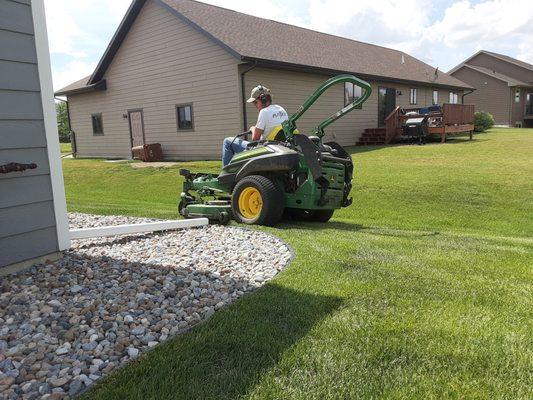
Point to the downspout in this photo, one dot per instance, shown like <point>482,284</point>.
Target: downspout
<point>72,135</point>
<point>466,94</point>
<point>243,96</point>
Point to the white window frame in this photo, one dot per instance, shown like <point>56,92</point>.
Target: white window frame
<point>413,94</point>
<point>454,98</point>
<point>350,99</point>
<point>435,97</point>
<point>517,95</point>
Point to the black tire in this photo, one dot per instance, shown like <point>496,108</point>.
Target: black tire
<point>273,201</point>
<point>297,214</point>
<point>322,215</point>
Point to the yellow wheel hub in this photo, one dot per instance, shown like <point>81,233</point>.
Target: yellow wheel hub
<point>250,203</point>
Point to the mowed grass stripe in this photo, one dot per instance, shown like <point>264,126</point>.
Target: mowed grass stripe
<point>421,289</point>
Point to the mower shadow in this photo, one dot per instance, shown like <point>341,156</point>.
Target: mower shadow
<point>224,357</point>
<point>305,225</point>
<point>351,227</point>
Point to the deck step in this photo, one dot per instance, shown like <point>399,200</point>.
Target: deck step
<point>372,137</point>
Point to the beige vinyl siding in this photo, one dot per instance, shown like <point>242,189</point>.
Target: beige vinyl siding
<point>290,89</point>
<point>491,94</point>
<point>161,63</point>
<point>501,66</point>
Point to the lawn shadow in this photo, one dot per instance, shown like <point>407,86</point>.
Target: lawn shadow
<point>224,357</point>
<point>353,227</point>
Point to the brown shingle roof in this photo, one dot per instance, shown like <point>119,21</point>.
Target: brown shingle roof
<point>81,84</point>
<point>252,38</point>
<point>510,81</point>
<point>512,60</point>
<point>258,38</point>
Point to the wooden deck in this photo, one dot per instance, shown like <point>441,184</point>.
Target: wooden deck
<point>454,118</point>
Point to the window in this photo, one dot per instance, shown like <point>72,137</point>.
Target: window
<point>435,97</point>
<point>98,126</point>
<point>351,93</point>
<point>184,117</point>
<point>453,98</point>
<point>412,96</point>
<point>517,96</point>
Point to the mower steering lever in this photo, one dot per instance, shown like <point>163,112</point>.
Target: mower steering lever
<point>289,126</point>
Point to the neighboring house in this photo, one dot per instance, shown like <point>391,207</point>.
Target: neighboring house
<point>504,86</point>
<point>177,72</point>
<point>33,216</point>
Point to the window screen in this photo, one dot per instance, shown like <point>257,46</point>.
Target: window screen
<point>98,126</point>
<point>184,116</point>
<point>351,93</point>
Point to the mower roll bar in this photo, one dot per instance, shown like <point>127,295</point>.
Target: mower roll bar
<point>289,126</point>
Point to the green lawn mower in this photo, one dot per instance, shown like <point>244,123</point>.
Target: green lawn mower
<point>291,174</point>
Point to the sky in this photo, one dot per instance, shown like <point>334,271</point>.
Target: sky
<point>441,33</point>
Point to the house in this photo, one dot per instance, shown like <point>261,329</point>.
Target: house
<point>504,86</point>
<point>177,72</point>
<point>33,216</point>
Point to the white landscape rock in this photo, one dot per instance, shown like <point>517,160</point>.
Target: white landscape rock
<point>67,324</point>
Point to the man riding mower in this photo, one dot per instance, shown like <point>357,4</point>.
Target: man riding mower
<point>284,171</point>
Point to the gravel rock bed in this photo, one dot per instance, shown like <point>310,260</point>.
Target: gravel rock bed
<point>67,324</point>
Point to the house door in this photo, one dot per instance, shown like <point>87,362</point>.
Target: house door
<point>136,127</point>
<point>386,103</point>
<point>529,105</point>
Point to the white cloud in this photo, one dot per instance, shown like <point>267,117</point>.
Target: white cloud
<point>71,72</point>
<point>440,32</point>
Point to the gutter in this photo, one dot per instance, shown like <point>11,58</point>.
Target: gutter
<point>243,96</point>
<point>330,72</point>
<point>100,85</point>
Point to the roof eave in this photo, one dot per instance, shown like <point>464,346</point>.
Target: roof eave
<point>98,86</point>
<point>115,43</point>
<point>306,68</point>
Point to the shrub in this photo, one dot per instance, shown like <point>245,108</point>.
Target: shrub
<point>62,122</point>
<point>483,121</point>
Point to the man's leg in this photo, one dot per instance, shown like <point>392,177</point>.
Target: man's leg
<point>231,147</point>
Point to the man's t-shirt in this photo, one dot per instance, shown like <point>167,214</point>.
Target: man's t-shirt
<point>269,118</point>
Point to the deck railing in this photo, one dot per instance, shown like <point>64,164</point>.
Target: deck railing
<point>457,115</point>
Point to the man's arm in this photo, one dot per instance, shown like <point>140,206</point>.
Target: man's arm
<point>256,133</point>
<point>259,128</point>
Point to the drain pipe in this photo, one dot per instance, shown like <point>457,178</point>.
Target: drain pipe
<point>243,95</point>
<point>466,94</point>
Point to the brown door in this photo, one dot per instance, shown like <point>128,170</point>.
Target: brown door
<point>136,128</point>
<point>386,103</point>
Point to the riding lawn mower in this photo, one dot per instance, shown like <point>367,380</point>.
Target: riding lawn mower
<point>289,173</point>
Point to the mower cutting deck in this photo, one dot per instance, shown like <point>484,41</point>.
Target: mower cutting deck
<point>293,173</point>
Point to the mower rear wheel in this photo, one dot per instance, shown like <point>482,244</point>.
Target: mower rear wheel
<point>257,200</point>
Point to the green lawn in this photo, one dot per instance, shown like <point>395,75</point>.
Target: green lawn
<point>65,148</point>
<point>421,289</point>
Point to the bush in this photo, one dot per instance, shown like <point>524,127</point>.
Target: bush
<point>483,121</point>
<point>62,122</point>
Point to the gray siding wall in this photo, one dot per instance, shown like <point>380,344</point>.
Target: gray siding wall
<point>161,63</point>
<point>491,94</point>
<point>27,220</point>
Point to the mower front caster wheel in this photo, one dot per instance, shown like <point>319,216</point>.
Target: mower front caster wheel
<point>257,200</point>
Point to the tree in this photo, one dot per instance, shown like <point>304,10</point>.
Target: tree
<point>62,122</point>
